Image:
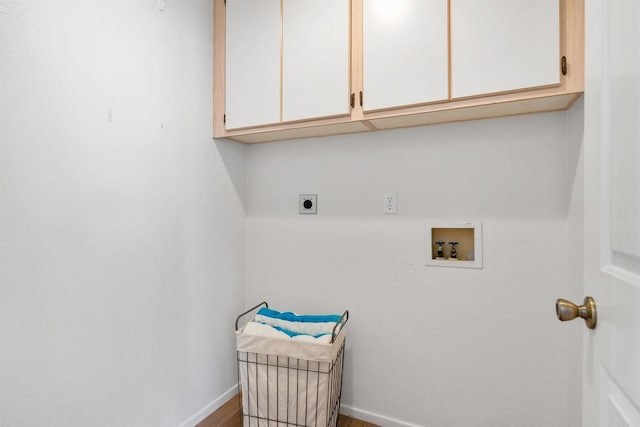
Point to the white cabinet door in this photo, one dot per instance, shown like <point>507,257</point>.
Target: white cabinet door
<point>252,62</point>
<point>315,58</point>
<point>502,45</point>
<point>405,52</point>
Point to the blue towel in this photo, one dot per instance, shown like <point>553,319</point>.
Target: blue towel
<point>291,317</point>
<point>297,324</point>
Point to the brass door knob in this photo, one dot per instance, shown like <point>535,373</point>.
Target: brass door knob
<point>566,310</point>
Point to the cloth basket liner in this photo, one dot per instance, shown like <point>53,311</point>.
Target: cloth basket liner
<point>287,380</point>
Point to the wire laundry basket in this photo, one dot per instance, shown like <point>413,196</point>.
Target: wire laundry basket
<point>288,383</point>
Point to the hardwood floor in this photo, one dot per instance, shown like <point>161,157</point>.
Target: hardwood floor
<point>345,421</point>
<point>230,415</point>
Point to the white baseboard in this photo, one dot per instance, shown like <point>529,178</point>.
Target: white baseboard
<point>351,411</point>
<point>210,408</point>
<point>374,418</point>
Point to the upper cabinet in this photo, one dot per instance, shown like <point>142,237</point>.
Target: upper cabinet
<point>405,52</point>
<point>298,68</point>
<point>504,45</point>
<point>286,60</point>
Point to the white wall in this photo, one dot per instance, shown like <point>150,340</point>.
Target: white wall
<point>121,222</point>
<point>428,346</point>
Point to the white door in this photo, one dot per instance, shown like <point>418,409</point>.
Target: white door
<point>611,380</point>
<point>503,45</point>
<point>315,52</point>
<point>405,52</point>
<point>253,63</point>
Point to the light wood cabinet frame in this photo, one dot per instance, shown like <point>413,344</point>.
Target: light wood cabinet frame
<point>531,100</point>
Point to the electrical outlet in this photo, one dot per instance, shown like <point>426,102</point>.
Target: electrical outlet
<point>308,204</point>
<point>390,203</point>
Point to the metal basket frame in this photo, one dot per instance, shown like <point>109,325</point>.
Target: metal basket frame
<point>301,371</point>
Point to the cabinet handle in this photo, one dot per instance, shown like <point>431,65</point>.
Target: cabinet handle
<point>563,64</point>
<point>361,98</point>
<point>353,100</point>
